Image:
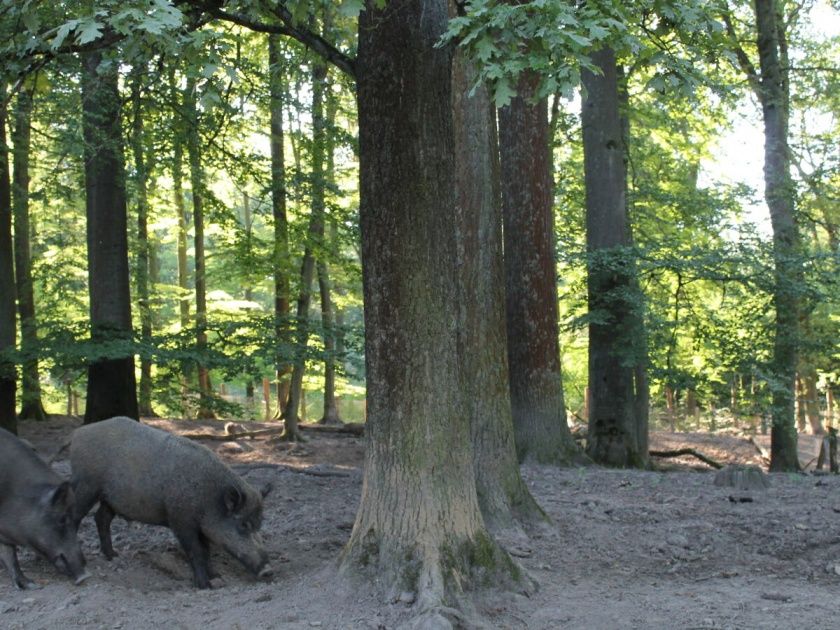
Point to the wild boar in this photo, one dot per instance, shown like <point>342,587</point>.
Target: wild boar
<point>37,510</point>
<point>148,475</point>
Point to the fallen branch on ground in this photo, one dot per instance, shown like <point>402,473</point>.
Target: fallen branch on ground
<point>229,437</point>
<point>350,428</point>
<point>688,451</point>
<point>313,472</point>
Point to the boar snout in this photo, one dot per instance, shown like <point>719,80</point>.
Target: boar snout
<point>81,578</point>
<point>266,572</point>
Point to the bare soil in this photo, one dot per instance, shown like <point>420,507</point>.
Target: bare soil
<point>626,549</point>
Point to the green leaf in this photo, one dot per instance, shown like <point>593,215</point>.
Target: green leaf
<point>351,8</point>
<point>88,31</point>
<point>61,34</point>
<point>502,93</point>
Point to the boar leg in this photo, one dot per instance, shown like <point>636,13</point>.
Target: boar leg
<point>86,496</point>
<point>8,557</point>
<point>198,554</point>
<point>103,517</point>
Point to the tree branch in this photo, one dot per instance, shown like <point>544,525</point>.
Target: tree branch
<point>744,62</point>
<point>288,28</point>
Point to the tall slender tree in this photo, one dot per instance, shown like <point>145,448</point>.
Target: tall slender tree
<point>329,248</point>
<point>314,241</point>
<point>280,254</point>
<point>197,186</point>
<point>111,388</point>
<point>8,375</point>
<point>771,85</point>
<point>617,425</point>
<point>31,405</point>
<point>142,266</point>
<point>536,385</point>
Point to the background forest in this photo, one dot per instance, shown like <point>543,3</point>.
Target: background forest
<point>240,158</point>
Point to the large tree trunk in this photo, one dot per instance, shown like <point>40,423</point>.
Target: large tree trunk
<point>141,184</point>
<point>504,500</point>
<point>419,526</point>
<point>111,387</point>
<point>197,186</point>
<point>536,386</point>
<point>31,406</point>
<point>315,236</point>
<point>8,375</point>
<point>779,194</point>
<point>280,255</point>
<point>617,423</point>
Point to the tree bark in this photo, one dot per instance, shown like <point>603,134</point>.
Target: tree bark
<point>617,422</point>
<point>8,324</point>
<point>142,267</point>
<point>197,186</point>
<point>280,255</point>
<point>536,386</point>
<point>419,526</point>
<point>32,407</point>
<point>504,499</point>
<point>111,387</point>
<point>779,195</point>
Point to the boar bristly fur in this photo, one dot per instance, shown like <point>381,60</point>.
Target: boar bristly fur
<point>36,510</point>
<point>151,476</point>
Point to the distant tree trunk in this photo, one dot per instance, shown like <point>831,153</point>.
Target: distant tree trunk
<point>314,240</point>
<point>617,430</point>
<point>331,415</point>
<point>419,526</point>
<point>141,183</point>
<point>504,499</point>
<point>801,420</point>
<point>197,185</point>
<point>691,404</point>
<point>779,193</point>
<point>8,324</point>
<point>280,255</point>
<point>670,406</point>
<point>31,406</point>
<point>111,387</point>
<point>811,399</point>
<point>536,385</point>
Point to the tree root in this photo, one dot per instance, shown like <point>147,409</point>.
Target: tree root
<point>688,451</point>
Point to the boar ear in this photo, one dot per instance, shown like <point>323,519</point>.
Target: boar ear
<point>266,489</point>
<point>60,497</point>
<point>232,499</point>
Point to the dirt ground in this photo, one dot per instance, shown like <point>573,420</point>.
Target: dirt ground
<point>626,549</point>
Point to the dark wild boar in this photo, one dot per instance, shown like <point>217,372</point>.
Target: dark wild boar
<point>36,509</point>
<point>148,475</point>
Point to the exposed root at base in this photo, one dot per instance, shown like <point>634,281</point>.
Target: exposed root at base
<point>436,583</point>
